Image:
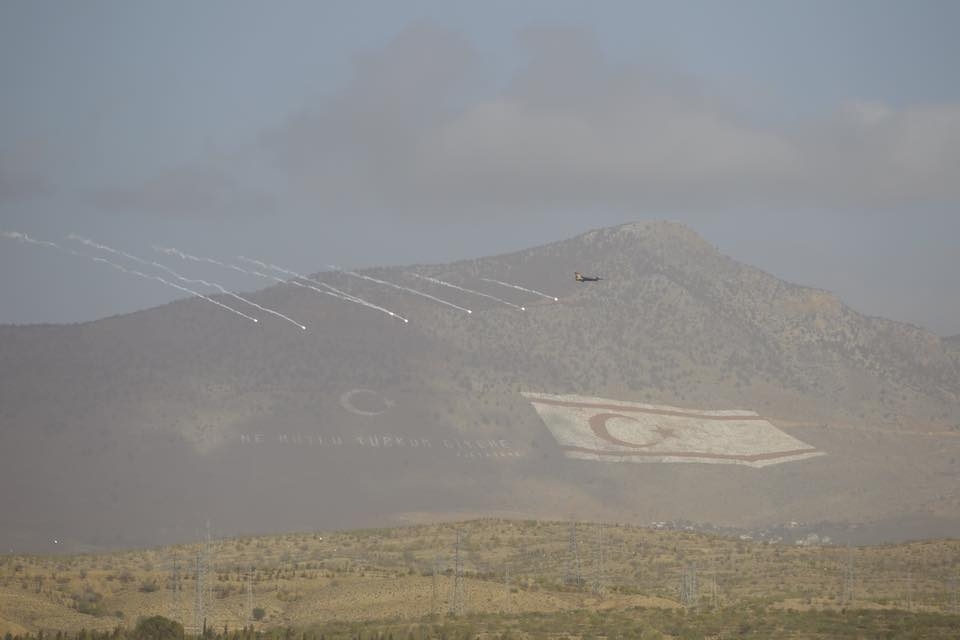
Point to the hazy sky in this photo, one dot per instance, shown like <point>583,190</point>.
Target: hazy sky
<point>819,141</point>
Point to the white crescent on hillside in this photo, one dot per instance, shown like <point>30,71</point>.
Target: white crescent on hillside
<point>348,399</point>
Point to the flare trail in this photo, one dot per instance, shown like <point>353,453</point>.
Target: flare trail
<point>518,287</point>
<point>340,293</point>
<point>157,265</point>
<point>22,237</point>
<point>399,287</point>
<point>464,289</point>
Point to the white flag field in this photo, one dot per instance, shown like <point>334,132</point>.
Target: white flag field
<point>617,431</point>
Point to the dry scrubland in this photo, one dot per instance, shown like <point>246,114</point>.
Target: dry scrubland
<point>512,569</point>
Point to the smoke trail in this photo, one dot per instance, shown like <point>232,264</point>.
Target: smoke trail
<point>102,247</point>
<point>400,287</point>
<point>249,272</point>
<point>477,293</point>
<point>22,237</point>
<point>252,272</point>
<point>518,287</point>
<point>344,296</point>
<point>187,256</point>
<point>171,284</point>
<point>323,284</point>
<point>336,293</point>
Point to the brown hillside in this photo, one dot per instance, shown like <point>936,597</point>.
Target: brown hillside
<point>136,429</point>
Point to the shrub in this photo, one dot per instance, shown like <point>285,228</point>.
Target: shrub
<point>157,628</point>
<point>149,586</point>
<point>89,602</point>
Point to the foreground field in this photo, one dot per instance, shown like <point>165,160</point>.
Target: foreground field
<point>517,577</point>
<point>637,623</point>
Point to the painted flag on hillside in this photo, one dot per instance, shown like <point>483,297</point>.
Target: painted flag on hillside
<point>617,431</point>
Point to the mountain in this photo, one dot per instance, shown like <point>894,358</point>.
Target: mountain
<point>137,429</point>
<point>952,342</point>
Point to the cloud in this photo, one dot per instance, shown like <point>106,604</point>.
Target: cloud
<point>188,192</point>
<point>24,171</point>
<point>410,134</point>
<point>358,147</point>
<point>872,154</point>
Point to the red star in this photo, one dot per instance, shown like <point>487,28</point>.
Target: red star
<point>666,432</point>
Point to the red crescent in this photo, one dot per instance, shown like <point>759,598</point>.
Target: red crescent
<point>598,423</point>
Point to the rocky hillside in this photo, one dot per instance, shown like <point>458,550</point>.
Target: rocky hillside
<point>674,320</point>
<point>138,428</point>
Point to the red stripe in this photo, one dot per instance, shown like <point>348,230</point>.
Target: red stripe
<point>658,412</point>
<point>688,454</point>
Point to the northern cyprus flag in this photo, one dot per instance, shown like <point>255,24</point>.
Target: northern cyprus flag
<point>616,431</point>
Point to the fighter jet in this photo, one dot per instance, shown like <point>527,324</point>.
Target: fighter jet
<point>579,277</point>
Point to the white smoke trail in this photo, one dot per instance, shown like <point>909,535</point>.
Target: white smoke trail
<point>519,288</point>
<point>464,289</point>
<point>336,293</point>
<point>400,287</point>
<point>323,284</point>
<point>249,272</point>
<point>103,247</point>
<point>346,297</point>
<point>253,272</point>
<point>22,237</point>
<point>171,284</point>
<point>187,256</point>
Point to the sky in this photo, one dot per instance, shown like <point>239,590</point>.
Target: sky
<point>819,141</point>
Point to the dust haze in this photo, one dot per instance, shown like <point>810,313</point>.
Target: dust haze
<point>363,420</point>
<point>311,268</point>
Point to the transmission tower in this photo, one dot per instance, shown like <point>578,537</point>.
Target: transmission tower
<point>250,595</point>
<point>714,592</point>
<point>573,577</point>
<point>435,596</point>
<point>954,598</point>
<point>202,586</point>
<point>457,599</point>
<point>688,588</point>
<point>847,590</point>
<point>910,589</point>
<point>199,615</point>
<point>208,567</point>
<point>506,587</point>
<point>598,586</point>
<point>176,590</point>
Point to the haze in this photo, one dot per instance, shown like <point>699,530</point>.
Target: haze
<point>819,141</point>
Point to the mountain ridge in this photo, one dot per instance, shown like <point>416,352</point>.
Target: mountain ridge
<point>169,403</point>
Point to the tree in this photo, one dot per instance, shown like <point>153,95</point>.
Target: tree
<point>259,613</point>
<point>158,628</point>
